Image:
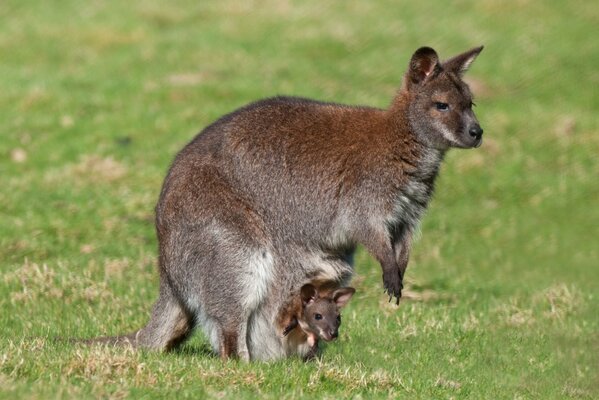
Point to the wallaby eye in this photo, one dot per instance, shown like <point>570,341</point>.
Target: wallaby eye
<point>441,106</point>
<point>317,317</point>
<point>338,318</point>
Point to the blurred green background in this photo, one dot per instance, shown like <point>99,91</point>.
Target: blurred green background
<point>97,97</point>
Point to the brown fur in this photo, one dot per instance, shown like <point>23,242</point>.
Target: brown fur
<point>280,192</point>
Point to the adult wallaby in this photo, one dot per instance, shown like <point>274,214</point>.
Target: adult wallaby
<point>280,192</point>
<point>311,315</point>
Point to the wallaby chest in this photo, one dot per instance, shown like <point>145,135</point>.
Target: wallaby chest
<point>412,196</point>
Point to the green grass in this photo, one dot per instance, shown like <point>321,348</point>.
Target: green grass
<point>97,97</point>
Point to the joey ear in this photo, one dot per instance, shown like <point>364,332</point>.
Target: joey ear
<point>424,62</point>
<point>460,63</point>
<point>341,296</point>
<point>308,293</point>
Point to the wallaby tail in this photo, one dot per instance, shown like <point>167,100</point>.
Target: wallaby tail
<point>169,326</point>
<point>129,340</point>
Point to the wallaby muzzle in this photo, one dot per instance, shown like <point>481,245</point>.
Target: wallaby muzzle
<point>476,132</point>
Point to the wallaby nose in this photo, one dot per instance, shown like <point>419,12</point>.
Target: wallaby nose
<point>476,131</point>
<point>334,334</point>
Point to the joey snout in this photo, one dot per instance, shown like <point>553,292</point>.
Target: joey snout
<point>329,335</point>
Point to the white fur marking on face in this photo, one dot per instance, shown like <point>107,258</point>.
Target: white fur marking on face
<point>321,333</point>
<point>447,134</point>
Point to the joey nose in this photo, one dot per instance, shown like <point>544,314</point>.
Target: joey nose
<point>334,334</point>
<point>476,131</point>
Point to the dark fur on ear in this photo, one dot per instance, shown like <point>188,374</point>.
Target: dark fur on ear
<point>308,293</point>
<point>460,63</point>
<point>424,63</point>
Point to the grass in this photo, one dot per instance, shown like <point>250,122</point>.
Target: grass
<point>97,97</point>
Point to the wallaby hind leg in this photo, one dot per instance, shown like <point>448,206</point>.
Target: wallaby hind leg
<point>228,345</point>
<point>169,326</point>
<point>233,343</point>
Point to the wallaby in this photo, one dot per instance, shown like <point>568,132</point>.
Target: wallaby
<point>311,315</point>
<point>280,192</point>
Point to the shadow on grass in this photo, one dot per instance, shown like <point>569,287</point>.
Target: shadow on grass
<point>195,348</point>
<point>434,291</point>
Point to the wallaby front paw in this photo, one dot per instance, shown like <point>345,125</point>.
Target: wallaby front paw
<point>393,285</point>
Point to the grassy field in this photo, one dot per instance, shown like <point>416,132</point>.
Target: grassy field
<point>503,287</point>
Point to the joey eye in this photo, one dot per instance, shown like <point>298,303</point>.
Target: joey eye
<point>441,106</point>
<point>338,318</point>
<point>317,317</point>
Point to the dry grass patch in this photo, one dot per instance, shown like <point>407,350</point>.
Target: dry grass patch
<point>15,355</point>
<point>447,383</point>
<point>554,303</point>
<point>33,282</point>
<point>425,295</point>
<point>104,38</point>
<point>561,300</point>
<point>106,169</point>
<point>18,155</point>
<point>354,378</point>
<point>189,78</point>
<point>109,366</point>
<point>231,374</point>
<point>90,169</point>
<point>512,313</point>
<point>6,382</point>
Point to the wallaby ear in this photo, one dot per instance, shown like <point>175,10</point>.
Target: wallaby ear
<point>424,62</point>
<point>460,63</point>
<point>341,296</point>
<point>308,293</point>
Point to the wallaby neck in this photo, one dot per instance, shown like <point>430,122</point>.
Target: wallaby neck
<point>422,162</point>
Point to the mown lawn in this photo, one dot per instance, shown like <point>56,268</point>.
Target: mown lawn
<point>503,287</point>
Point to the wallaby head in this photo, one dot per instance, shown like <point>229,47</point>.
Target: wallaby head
<point>439,101</point>
<point>320,313</point>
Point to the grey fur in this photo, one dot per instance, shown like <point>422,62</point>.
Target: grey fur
<point>280,192</point>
